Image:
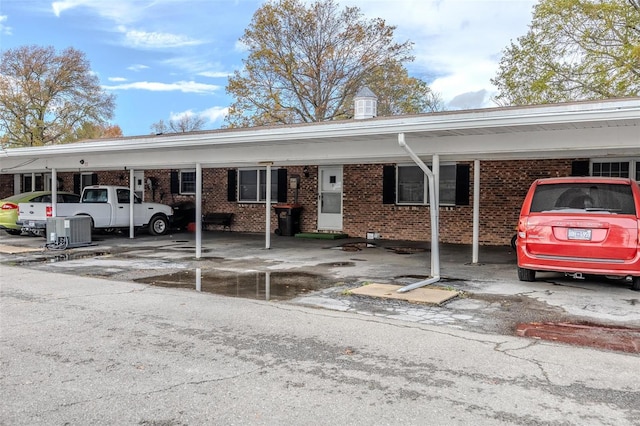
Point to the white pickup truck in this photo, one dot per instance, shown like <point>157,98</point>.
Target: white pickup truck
<point>108,207</point>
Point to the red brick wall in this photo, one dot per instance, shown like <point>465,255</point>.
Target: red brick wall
<point>6,186</point>
<point>503,187</point>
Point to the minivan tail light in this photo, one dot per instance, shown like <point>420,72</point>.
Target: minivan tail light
<point>49,211</point>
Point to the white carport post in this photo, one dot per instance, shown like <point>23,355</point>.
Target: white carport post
<point>476,211</point>
<point>132,197</point>
<point>33,181</point>
<point>198,210</point>
<point>267,203</point>
<point>54,192</point>
<point>435,251</point>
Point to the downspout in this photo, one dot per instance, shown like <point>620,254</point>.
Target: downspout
<point>435,252</point>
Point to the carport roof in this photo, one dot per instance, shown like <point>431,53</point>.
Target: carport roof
<point>570,130</point>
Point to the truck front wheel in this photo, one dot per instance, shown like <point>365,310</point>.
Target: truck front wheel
<point>158,225</point>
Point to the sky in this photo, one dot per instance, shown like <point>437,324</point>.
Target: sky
<point>166,58</point>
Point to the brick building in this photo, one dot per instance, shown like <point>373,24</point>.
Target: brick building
<point>353,176</point>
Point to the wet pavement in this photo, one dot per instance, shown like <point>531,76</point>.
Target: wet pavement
<point>322,274</point>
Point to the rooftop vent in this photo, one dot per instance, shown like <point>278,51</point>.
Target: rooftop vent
<point>366,104</point>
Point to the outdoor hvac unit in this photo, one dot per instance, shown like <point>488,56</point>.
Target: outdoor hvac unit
<point>68,232</point>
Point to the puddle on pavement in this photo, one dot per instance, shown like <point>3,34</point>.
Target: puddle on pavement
<point>407,250</point>
<point>60,257</point>
<point>336,264</point>
<point>356,246</point>
<point>281,285</point>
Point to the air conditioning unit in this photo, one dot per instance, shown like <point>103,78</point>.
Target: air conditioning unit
<point>68,232</point>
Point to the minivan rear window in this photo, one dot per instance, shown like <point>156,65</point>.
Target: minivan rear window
<point>588,197</point>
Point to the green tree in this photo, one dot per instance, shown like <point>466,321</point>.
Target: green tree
<point>46,98</point>
<point>306,62</point>
<point>574,50</point>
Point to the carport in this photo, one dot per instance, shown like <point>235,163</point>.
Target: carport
<point>608,128</point>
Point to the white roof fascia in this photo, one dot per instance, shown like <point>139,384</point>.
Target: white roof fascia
<point>604,111</point>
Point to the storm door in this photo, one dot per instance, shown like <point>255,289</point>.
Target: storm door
<point>330,198</point>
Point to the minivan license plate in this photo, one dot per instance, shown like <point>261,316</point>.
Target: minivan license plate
<point>579,234</point>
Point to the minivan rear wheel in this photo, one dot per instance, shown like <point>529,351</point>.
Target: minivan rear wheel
<point>526,274</point>
<point>635,284</point>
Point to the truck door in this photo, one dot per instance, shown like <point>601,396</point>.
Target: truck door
<point>96,202</point>
<point>121,207</point>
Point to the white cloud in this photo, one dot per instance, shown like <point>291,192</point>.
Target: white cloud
<point>198,65</point>
<point>214,114</point>
<point>117,79</point>
<point>120,11</point>
<point>4,28</point>
<point>156,40</point>
<point>137,67</point>
<point>210,115</point>
<point>457,43</point>
<point>179,86</point>
<point>215,74</point>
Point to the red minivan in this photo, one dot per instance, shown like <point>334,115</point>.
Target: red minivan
<point>581,225</point>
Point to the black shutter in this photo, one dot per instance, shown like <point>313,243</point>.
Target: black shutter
<point>282,185</point>
<point>389,185</point>
<point>76,183</point>
<point>580,168</point>
<point>175,182</point>
<point>462,184</point>
<point>231,185</point>
<point>94,179</point>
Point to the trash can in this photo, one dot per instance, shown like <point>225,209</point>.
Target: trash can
<point>288,219</point>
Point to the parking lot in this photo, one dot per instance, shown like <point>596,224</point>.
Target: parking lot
<point>322,273</point>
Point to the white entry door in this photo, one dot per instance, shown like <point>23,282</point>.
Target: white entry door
<point>330,198</point>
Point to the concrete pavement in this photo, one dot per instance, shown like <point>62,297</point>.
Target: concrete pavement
<point>83,350</point>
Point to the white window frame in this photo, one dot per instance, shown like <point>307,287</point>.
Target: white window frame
<point>634,165</point>
<point>183,181</point>
<point>425,186</point>
<point>260,197</point>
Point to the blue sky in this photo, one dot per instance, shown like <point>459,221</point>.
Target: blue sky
<point>164,58</point>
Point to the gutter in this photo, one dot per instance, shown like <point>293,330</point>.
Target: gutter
<point>435,251</point>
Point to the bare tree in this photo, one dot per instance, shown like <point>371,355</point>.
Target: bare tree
<point>184,123</point>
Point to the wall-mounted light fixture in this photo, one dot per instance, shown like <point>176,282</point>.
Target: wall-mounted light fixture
<point>81,161</point>
<point>305,171</point>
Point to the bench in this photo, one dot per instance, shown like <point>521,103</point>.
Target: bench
<point>222,219</point>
